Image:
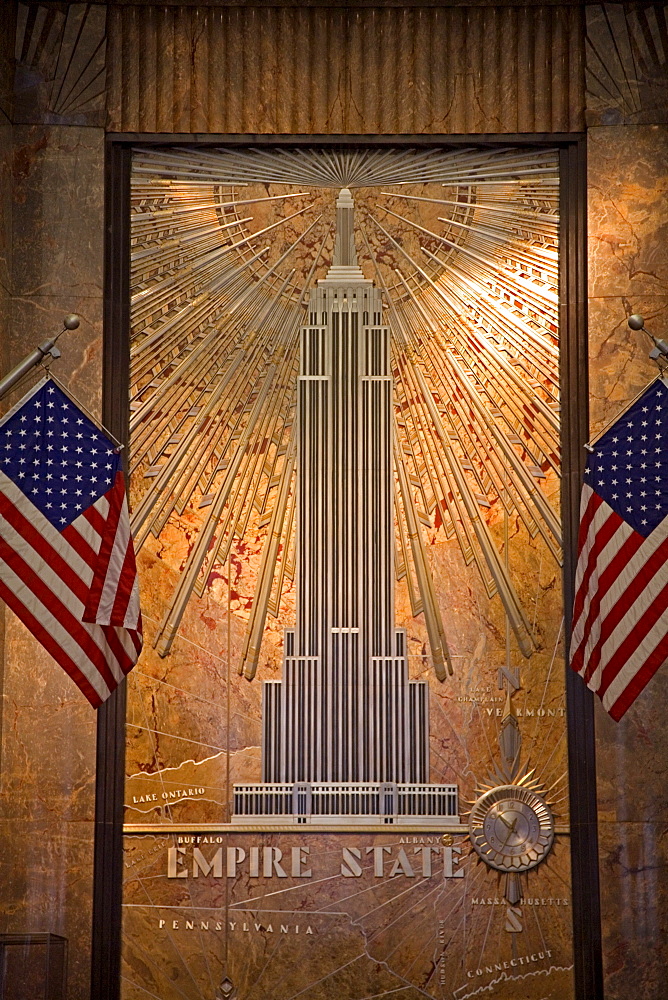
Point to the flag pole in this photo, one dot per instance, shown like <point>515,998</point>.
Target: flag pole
<point>71,322</point>
<point>659,351</point>
<point>36,357</point>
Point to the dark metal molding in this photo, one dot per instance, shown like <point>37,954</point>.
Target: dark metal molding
<point>579,699</point>
<point>108,856</point>
<point>212,139</point>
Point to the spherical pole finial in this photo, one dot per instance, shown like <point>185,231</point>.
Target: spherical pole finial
<point>71,321</point>
<point>636,322</point>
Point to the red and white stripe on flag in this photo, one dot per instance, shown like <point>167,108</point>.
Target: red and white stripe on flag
<point>76,590</point>
<point>620,621</point>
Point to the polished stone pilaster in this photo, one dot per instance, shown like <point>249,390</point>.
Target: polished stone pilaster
<point>628,273</point>
<point>48,754</point>
<point>5,239</point>
<point>627,146</point>
<point>51,172</point>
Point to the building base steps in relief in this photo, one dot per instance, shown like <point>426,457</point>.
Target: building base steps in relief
<point>337,802</point>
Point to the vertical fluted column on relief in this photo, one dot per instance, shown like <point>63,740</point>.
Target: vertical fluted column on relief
<point>271,697</point>
<point>344,488</point>
<point>312,493</point>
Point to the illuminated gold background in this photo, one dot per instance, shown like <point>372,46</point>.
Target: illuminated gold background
<point>430,936</point>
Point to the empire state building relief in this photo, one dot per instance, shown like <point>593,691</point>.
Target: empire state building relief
<point>345,732</point>
<point>346,737</point>
<point>345,475</point>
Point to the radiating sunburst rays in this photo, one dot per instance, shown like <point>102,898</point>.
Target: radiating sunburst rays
<point>225,246</point>
<point>60,62</point>
<point>627,62</point>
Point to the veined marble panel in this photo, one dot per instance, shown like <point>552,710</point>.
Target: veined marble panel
<point>628,241</point>
<point>53,193</point>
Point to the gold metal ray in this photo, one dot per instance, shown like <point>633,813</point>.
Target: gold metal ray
<point>218,295</point>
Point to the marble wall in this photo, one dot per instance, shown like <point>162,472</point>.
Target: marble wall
<point>358,68</point>
<point>5,246</point>
<point>51,179</point>
<point>48,731</point>
<point>628,257</point>
<point>627,148</point>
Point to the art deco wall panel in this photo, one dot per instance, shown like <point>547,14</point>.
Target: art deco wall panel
<point>322,70</point>
<point>346,739</point>
<point>59,86</point>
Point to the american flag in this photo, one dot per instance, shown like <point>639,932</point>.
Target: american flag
<point>67,564</point>
<point>620,614</point>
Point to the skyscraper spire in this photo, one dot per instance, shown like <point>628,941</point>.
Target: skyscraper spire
<point>344,265</point>
<point>344,249</point>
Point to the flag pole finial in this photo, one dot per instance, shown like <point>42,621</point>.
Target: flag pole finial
<point>46,349</point>
<point>660,349</point>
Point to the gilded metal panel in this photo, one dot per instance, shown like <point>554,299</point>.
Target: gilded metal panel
<point>268,392</point>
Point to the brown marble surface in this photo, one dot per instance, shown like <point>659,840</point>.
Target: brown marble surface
<point>628,259</point>
<point>335,931</point>
<point>6,67</point>
<point>57,199</point>
<point>632,766</point>
<point>49,730</point>
<point>619,363</point>
<point>633,863</point>
<point>46,874</point>
<point>628,210</point>
<point>6,153</point>
<point>56,238</point>
<point>5,246</point>
<point>52,202</point>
